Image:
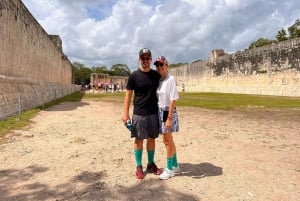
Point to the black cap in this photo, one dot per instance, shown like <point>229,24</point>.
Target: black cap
<point>145,51</point>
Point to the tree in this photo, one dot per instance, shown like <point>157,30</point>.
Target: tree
<point>281,35</point>
<point>294,30</point>
<point>102,69</point>
<point>261,42</point>
<point>120,70</point>
<point>78,65</point>
<point>82,73</point>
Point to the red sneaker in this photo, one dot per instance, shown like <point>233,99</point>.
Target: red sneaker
<point>153,168</point>
<point>139,172</point>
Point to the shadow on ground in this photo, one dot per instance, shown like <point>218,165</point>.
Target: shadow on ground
<point>67,106</point>
<point>198,171</point>
<point>15,185</point>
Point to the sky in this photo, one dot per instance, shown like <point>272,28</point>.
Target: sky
<point>108,32</point>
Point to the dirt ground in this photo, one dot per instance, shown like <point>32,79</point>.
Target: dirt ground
<point>82,151</point>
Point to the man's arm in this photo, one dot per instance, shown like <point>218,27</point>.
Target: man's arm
<point>127,101</point>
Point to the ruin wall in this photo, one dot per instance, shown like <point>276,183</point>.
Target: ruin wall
<point>32,63</point>
<point>268,70</point>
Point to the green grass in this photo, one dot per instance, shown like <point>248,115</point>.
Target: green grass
<point>116,97</point>
<point>230,101</point>
<point>217,101</point>
<point>15,123</point>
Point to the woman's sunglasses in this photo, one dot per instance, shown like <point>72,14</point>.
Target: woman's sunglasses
<point>159,65</point>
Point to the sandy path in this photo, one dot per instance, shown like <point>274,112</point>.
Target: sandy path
<point>81,151</point>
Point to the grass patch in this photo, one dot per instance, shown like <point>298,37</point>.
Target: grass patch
<point>219,101</point>
<point>230,101</point>
<point>14,122</point>
<point>110,97</point>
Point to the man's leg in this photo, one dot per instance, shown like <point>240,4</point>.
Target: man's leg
<point>151,167</point>
<point>150,150</point>
<point>138,152</point>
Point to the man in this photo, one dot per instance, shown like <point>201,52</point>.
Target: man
<point>143,83</point>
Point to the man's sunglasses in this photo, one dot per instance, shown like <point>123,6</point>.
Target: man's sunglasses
<point>145,58</point>
<point>159,65</point>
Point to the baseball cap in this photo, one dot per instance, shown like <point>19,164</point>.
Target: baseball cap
<point>145,51</point>
<point>160,59</point>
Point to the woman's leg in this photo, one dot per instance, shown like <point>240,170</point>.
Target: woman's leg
<point>169,143</point>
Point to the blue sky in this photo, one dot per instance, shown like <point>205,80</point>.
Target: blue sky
<point>108,32</point>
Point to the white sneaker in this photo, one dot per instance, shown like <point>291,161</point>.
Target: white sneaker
<point>176,169</point>
<point>167,174</point>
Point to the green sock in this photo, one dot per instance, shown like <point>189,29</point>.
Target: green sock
<point>175,164</point>
<point>170,163</point>
<point>138,156</point>
<point>150,157</point>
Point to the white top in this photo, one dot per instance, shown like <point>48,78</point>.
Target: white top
<point>167,91</point>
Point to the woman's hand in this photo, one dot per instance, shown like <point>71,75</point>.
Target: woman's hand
<point>169,123</point>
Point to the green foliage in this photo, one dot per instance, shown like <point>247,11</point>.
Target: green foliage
<point>197,60</point>
<point>261,42</point>
<point>120,70</point>
<point>82,73</point>
<point>281,35</point>
<point>176,65</point>
<point>102,69</point>
<point>294,30</point>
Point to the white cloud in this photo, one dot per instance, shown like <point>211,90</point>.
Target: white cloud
<point>105,32</point>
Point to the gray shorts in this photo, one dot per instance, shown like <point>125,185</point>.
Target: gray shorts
<point>162,119</point>
<point>144,127</point>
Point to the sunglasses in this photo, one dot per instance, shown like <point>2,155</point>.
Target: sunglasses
<point>145,58</point>
<point>159,65</point>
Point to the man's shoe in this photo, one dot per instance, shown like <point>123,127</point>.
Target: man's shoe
<point>153,168</point>
<point>167,174</point>
<point>139,172</point>
<point>176,169</point>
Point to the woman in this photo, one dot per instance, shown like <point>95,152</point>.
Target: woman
<point>167,95</point>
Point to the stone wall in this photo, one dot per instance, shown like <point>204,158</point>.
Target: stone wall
<point>268,70</point>
<point>31,61</point>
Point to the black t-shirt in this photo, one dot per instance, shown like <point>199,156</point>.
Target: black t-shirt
<point>144,85</point>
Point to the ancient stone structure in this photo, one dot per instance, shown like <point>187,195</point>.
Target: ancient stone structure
<point>268,70</point>
<point>33,67</point>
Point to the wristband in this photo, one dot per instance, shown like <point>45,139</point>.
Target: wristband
<point>169,117</point>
